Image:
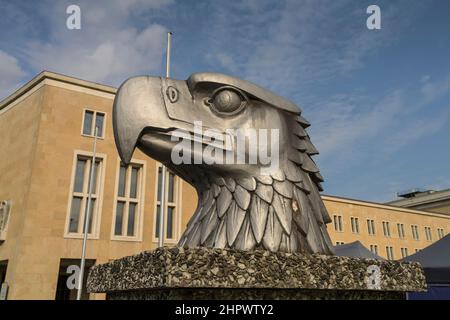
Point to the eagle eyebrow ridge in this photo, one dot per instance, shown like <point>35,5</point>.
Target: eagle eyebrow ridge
<point>246,86</point>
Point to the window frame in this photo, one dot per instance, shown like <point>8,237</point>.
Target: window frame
<point>415,232</point>
<point>102,136</point>
<point>176,204</point>
<point>386,229</point>
<point>374,248</point>
<point>371,231</point>
<point>354,221</point>
<point>141,183</point>
<point>100,184</point>
<point>428,233</point>
<point>337,222</point>
<point>401,227</point>
<point>404,252</point>
<point>390,253</point>
<point>441,233</point>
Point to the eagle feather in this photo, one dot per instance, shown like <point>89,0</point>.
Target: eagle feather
<point>280,212</point>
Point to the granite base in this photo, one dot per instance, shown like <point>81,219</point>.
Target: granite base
<point>206,273</point>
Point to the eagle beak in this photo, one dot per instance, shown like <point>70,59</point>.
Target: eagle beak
<point>138,104</point>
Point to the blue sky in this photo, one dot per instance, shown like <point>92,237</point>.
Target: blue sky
<point>378,100</point>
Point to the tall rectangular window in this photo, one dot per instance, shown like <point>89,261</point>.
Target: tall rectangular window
<point>428,234</point>
<point>171,204</point>
<point>355,224</point>
<point>91,120</point>
<point>337,221</point>
<point>415,232</point>
<point>371,227</point>
<point>404,252</point>
<point>389,253</point>
<point>386,229</point>
<point>80,193</point>
<point>128,203</point>
<point>401,230</point>
<point>440,232</point>
<point>374,249</point>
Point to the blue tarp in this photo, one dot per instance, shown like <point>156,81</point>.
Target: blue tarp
<point>434,292</point>
<point>435,260</point>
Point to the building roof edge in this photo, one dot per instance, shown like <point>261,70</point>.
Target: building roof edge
<point>58,77</point>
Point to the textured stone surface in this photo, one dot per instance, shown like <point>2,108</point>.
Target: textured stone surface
<point>174,272</point>
<point>254,294</point>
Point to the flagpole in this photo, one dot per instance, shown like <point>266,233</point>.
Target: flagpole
<point>87,216</point>
<point>169,39</point>
<point>162,208</point>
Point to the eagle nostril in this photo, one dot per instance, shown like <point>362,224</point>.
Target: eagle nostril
<point>172,94</point>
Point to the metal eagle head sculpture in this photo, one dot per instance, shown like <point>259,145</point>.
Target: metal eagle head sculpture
<point>239,207</point>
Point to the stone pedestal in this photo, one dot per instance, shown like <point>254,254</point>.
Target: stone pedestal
<point>203,273</point>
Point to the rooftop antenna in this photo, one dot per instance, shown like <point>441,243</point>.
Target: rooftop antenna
<point>162,211</point>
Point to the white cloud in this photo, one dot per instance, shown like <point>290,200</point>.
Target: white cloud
<point>11,74</point>
<point>112,60</point>
<point>352,128</point>
<point>345,120</point>
<point>108,48</point>
<point>434,90</point>
<point>415,130</point>
<point>226,61</point>
<point>425,78</point>
<point>292,46</point>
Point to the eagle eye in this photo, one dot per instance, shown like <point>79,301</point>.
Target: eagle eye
<point>227,100</point>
